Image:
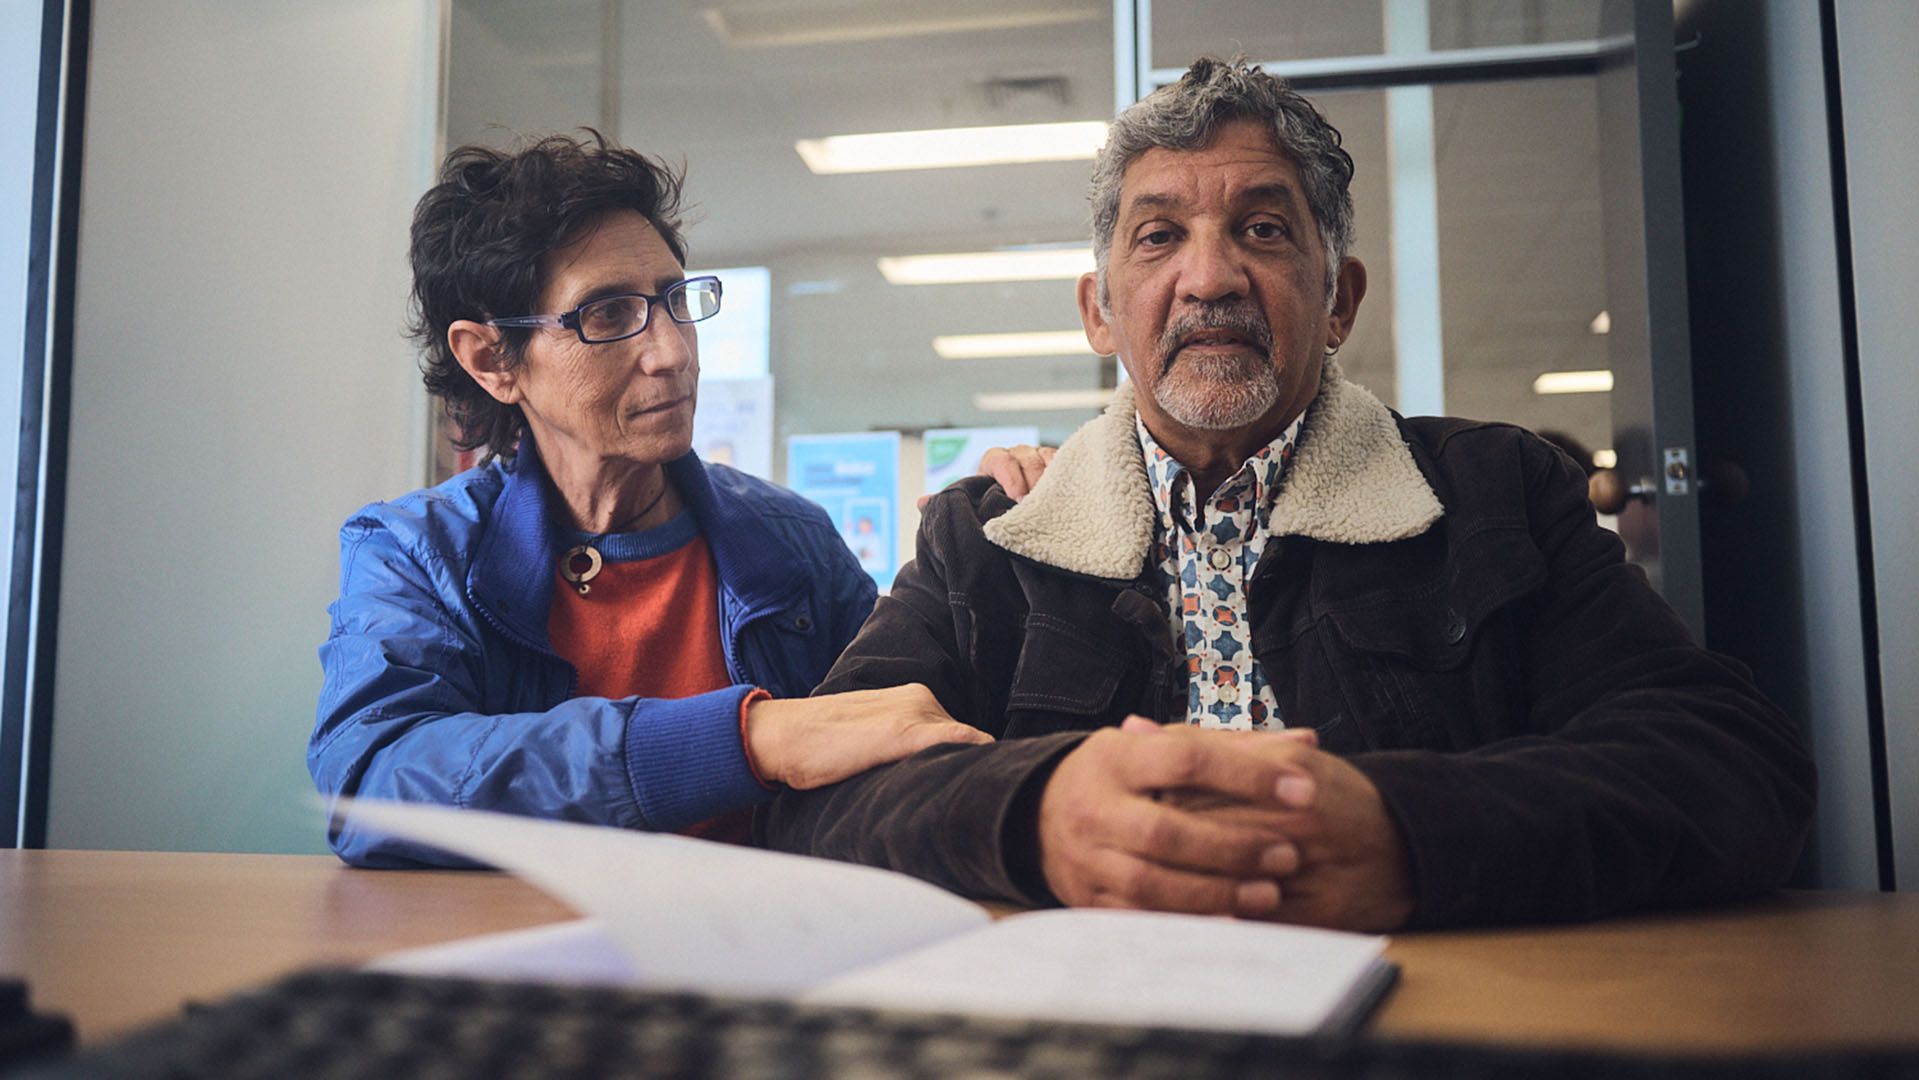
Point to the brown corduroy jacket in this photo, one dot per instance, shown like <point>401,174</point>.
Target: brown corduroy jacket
<point>1436,600</point>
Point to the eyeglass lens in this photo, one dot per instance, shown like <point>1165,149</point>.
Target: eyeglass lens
<point>694,300</point>
<point>619,317</point>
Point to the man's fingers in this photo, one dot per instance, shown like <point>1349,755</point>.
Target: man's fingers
<point>1117,879</point>
<point>1141,725</point>
<point>1225,845</point>
<point>1256,768</point>
<point>1115,825</point>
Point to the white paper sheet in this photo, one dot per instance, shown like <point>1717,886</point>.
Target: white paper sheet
<point>580,952</point>
<point>670,912</point>
<point>1124,967</point>
<point>693,914</point>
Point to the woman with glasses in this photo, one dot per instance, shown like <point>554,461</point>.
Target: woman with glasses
<point>594,625</point>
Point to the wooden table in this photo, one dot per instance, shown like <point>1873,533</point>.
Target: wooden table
<point>119,939</point>
<point>1797,970</point>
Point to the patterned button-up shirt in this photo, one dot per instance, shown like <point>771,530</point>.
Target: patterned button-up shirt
<point>1204,557</point>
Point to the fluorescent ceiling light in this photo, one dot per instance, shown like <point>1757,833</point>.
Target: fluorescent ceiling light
<point>1601,324</point>
<point>945,148</point>
<point>1043,264</point>
<point>1573,382</point>
<point>1605,459</point>
<point>771,24</point>
<point>1042,400</point>
<point>1027,343</point>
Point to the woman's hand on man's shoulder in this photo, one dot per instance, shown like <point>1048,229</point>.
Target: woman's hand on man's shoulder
<point>1015,468</point>
<point>812,742</point>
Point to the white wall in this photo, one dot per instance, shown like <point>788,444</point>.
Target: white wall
<point>240,385</point>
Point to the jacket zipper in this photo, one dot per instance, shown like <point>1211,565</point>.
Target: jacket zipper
<point>572,673</point>
<point>736,632</point>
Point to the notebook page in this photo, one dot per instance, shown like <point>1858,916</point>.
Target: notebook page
<point>1125,967</point>
<point>694,914</point>
<point>577,952</point>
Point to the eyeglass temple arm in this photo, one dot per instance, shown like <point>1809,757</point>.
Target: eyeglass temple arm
<point>557,321</point>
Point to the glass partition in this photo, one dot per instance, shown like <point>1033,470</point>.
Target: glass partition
<point>1478,200</point>
<point>1477,196</point>
<point>861,336</point>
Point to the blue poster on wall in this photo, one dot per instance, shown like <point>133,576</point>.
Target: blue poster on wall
<point>856,478</point>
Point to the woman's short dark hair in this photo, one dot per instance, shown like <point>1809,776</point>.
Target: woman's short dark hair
<point>480,240</point>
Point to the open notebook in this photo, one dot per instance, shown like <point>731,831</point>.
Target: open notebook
<point>672,912</point>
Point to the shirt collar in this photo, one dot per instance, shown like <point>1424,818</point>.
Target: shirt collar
<point>1172,485</point>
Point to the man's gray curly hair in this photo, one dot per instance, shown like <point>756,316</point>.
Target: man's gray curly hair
<point>1187,114</point>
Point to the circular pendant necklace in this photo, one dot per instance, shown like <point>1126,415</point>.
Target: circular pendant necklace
<point>582,562</point>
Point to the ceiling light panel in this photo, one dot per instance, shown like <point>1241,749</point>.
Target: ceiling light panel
<point>965,267</point>
<point>1042,400</point>
<point>1573,382</point>
<point>948,148</point>
<point>769,25</point>
<point>1025,343</point>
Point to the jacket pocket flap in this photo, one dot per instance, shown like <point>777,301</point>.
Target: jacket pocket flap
<point>1435,626</point>
<point>1063,669</point>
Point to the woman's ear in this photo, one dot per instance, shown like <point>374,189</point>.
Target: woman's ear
<point>481,353</point>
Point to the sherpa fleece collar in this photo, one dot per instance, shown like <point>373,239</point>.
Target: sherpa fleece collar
<point>1353,481</point>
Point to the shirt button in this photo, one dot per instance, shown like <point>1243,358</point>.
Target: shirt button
<point>1221,559</point>
<point>1229,694</point>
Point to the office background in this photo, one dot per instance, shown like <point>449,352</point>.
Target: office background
<point>221,379</point>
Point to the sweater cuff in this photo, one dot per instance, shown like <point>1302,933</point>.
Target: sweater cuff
<point>685,760</point>
<point>745,747</point>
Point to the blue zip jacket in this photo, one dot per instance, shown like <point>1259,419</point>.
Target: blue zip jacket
<point>441,685</point>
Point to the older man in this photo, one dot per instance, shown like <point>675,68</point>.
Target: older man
<point>1448,698</point>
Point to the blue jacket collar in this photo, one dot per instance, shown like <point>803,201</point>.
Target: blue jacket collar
<point>511,579</point>
<point>756,566</point>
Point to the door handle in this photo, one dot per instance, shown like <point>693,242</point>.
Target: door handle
<point>1610,493</point>
<point>1722,483</point>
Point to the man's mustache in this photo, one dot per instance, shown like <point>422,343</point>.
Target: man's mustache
<point>1242,319</point>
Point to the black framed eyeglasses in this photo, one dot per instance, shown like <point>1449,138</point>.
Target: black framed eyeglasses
<point>616,318</point>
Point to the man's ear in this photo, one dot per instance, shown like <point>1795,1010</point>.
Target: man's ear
<point>480,351</point>
<point>1099,333</point>
<point>1349,288</point>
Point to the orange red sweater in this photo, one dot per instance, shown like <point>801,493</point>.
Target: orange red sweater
<point>638,610</point>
